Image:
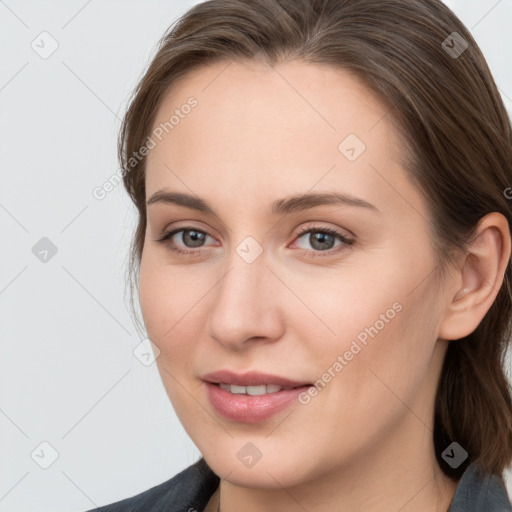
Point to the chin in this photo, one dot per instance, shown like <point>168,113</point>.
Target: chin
<point>270,472</point>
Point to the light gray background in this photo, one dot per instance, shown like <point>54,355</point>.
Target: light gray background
<point>68,375</point>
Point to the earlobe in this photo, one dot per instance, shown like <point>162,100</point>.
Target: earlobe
<point>479,279</point>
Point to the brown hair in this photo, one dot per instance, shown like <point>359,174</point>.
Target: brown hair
<point>457,149</point>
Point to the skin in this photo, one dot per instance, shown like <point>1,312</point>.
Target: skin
<point>258,134</point>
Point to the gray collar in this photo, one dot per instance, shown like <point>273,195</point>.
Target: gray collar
<point>480,492</point>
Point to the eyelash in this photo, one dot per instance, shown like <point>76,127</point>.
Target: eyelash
<point>311,254</point>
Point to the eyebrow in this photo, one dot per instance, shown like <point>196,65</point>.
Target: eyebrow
<point>279,207</point>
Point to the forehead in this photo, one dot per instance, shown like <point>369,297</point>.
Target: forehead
<point>293,125</point>
<point>292,96</point>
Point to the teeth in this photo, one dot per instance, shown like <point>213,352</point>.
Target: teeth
<point>251,390</point>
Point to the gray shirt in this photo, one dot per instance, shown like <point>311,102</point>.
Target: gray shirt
<point>191,489</point>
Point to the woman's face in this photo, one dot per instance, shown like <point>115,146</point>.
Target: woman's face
<point>351,304</point>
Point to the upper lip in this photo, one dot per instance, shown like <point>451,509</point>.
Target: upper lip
<point>251,379</point>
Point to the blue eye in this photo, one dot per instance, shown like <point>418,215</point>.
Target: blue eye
<point>320,238</point>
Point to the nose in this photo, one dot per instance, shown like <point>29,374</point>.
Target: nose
<point>246,305</point>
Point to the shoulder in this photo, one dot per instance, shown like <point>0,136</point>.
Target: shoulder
<point>188,491</point>
<point>478,491</point>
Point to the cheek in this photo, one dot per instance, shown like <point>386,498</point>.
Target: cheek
<point>393,364</point>
<point>167,309</point>
<point>151,298</point>
<point>377,331</point>
<point>165,295</point>
<point>173,304</point>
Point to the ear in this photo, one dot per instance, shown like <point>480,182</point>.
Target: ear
<point>479,279</point>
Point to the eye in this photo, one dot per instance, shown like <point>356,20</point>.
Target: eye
<point>191,237</point>
<point>322,239</point>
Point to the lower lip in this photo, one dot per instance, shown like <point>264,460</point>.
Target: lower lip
<point>249,408</point>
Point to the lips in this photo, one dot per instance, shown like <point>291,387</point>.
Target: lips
<point>252,379</point>
<point>244,408</point>
<point>251,397</point>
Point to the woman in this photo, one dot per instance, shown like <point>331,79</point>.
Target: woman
<point>323,256</point>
